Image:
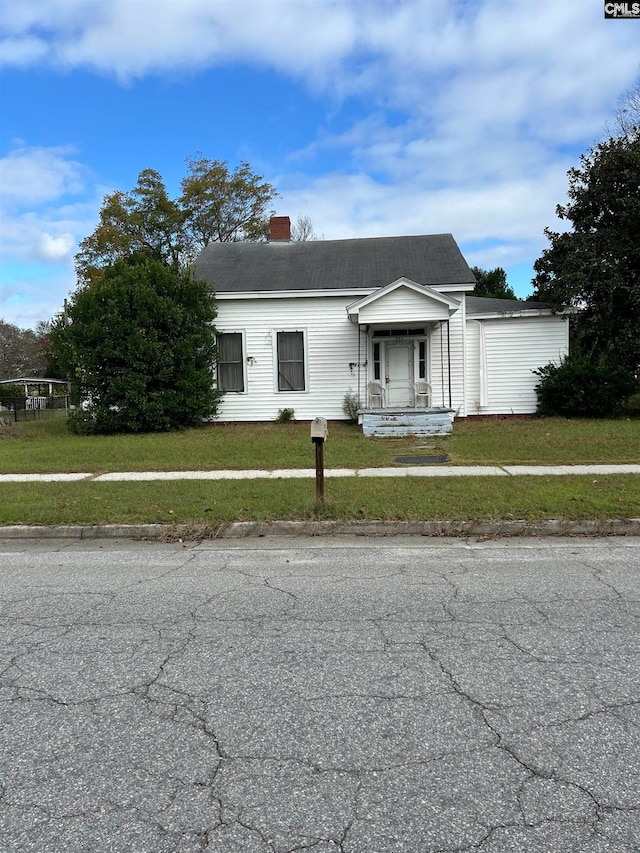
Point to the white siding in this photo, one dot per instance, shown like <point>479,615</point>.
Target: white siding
<point>403,306</point>
<point>475,365</point>
<point>511,349</point>
<point>501,357</point>
<point>331,346</point>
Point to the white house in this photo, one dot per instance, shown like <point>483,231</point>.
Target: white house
<point>303,323</point>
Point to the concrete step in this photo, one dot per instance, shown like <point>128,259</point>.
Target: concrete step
<point>386,422</point>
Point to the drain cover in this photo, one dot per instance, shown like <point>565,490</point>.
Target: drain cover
<point>421,460</point>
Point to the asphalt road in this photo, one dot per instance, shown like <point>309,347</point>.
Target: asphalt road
<point>363,696</point>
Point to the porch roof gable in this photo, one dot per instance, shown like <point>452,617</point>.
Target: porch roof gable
<point>406,306</point>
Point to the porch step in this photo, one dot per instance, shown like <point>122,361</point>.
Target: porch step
<point>389,422</point>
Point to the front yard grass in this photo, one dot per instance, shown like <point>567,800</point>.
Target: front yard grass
<point>545,441</point>
<point>213,503</point>
<point>45,446</point>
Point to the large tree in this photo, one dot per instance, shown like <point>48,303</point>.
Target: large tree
<point>595,265</point>
<point>223,206</point>
<point>216,204</point>
<point>22,352</point>
<point>139,346</point>
<point>143,221</point>
<point>492,283</point>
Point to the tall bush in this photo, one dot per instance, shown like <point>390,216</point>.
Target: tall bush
<point>139,344</point>
<point>583,387</point>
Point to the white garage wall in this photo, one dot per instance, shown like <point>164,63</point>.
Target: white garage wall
<point>502,354</point>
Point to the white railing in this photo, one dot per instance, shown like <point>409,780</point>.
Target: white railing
<point>36,402</point>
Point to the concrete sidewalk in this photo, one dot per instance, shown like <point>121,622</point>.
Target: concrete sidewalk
<point>308,473</point>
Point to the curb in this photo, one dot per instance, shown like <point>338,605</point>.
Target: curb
<point>256,529</point>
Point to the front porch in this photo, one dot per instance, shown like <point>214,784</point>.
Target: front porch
<point>402,421</point>
<point>404,359</point>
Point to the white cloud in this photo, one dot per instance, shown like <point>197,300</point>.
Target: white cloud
<point>20,16</point>
<point>343,206</point>
<point>55,248</point>
<point>47,235</point>
<point>49,201</point>
<point>344,45</point>
<point>32,176</point>
<point>497,104</point>
<point>26,299</point>
<point>22,52</point>
<point>489,66</point>
<point>474,110</point>
<point>130,39</point>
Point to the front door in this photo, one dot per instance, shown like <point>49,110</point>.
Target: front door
<point>399,377</point>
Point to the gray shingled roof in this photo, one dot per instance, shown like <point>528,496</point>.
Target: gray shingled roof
<point>487,305</point>
<point>331,264</point>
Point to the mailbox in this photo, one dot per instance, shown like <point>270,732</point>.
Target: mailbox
<point>319,431</point>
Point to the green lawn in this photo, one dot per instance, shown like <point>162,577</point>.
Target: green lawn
<point>46,446</point>
<point>213,503</point>
<point>546,441</point>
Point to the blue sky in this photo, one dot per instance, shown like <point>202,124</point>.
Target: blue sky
<point>372,118</point>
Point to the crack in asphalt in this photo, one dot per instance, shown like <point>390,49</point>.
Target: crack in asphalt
<point>536,772</point>
<point>222,772</point>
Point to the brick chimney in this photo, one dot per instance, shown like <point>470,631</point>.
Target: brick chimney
<point>280,229</point>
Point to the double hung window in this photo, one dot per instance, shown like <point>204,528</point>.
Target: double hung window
<point>230,369</point>
<point>291,373</point>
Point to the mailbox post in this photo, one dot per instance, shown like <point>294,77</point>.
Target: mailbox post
<point>319,435</point>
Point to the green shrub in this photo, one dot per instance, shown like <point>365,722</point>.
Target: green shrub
<point>583,387</point>
<point>285,416</point>
<point>350,405</point>
<point>8,394</point>
<point>632,407</point>
<point>81,422</point>
<point>140,346</point>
